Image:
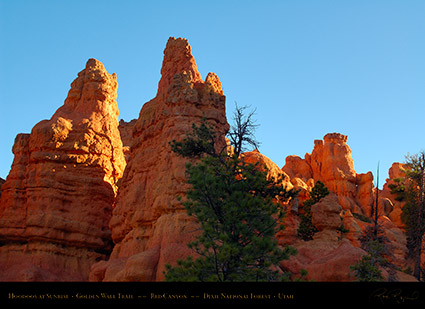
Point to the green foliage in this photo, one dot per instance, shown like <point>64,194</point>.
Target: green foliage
<point>306,229</point>
<point>398,189</point>
<point>342,229</point>
<point>411,217</point>
<point>199,142</point>
<point>318,192</point>
<point>362,218</point>
<point>378,248</point>
<point>238,210</point>
<point>411,191</point>
<point>366,270</point>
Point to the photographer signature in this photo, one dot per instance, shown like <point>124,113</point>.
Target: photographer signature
<point>393,295</point>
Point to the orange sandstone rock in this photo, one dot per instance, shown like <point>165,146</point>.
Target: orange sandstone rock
<point>57,200</point>
<point>265,164</point>
<point>326,214</point>
<point>331,163</point>
<point>393,208</point>
<point>328,256</point>
<point>126,133</point>
<point>150,227</point>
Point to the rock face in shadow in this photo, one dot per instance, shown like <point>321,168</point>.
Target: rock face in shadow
<point>330,254</point>
<point>150,227</point>
<point>57,199</point>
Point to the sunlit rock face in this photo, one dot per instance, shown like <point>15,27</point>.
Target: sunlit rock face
<point>331,162</point>
<point>150,227</point>
<point>57,199</point>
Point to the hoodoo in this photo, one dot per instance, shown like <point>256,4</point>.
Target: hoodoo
<point>57,199</point>
<point>150,227</point>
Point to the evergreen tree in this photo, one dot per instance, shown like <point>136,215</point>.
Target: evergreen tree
<point>306,230</point>
<point>411,190</point>
<point>378,249</point>
<point>238,209</point>
<point>367,269</point>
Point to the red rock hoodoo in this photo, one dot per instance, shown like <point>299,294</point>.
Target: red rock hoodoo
<point>331,163</point>
<point>57,199</point>
<point>150,227</point>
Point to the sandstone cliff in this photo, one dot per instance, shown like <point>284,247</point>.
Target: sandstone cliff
<point>57,199</point>
<point>150,227</point>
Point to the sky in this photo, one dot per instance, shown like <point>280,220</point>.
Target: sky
<point>308,67</point>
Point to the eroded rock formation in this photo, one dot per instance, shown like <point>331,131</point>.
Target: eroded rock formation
<point>331,163</point>
<point>332,251</point>
<point>126,132</point>
<point>57,199</point>
<point>352,197</point>
<point>265,164</point>
<point>388,205</point>
<point>150,227</point>
<point>328,256</point>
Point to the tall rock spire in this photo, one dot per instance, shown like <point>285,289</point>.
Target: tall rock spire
<point>177,59</point>
<point>57,200</point>
<point>150,227</point>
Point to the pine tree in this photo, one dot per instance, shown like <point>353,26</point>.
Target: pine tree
<point>238,209</point>
<point>378,249</point>
<point>367,268</point>
<point>306,230</point>
<point>411,190</point>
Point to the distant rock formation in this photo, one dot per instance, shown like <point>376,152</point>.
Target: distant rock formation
<point>331,163</point>
<point>328,255</point>
<point>387,204</point>
<point>57,200</point>
<point>126,132</point>
<point>150,227</point>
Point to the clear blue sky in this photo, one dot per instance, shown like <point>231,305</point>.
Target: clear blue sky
<point>308,67</point>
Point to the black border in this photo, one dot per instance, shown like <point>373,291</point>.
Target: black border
<point>161,293</point>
